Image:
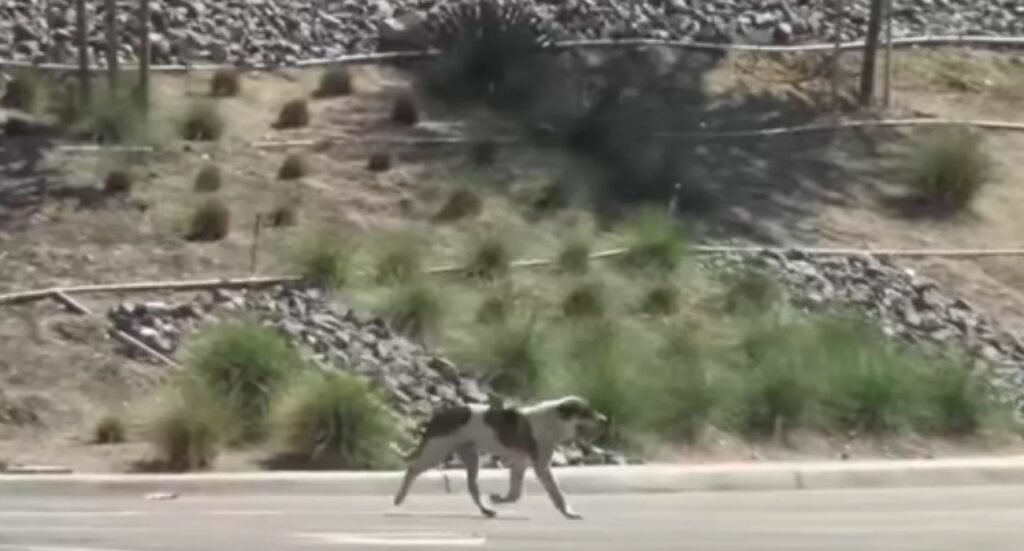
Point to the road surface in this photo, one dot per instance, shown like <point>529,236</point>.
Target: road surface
<point>964,519</point>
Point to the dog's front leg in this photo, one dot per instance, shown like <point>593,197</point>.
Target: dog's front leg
<point>516,474</point>
<point>468,456</point>
<point>547,478</point>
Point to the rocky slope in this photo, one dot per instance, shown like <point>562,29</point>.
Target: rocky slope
<point>284,31</point>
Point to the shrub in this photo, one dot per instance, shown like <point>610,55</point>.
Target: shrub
<point>324,259</point>
<point>416,310</point>
<point>111,117</point>
<point>379,162</point>
<point>225,83</point>
<point>949,169</point>
<point>489,257</point>
<point>958,403</point>
<point>211,221</point>
<point>334,420</point>
<point>208,179</point>
<point>515,357</point>
<point>575,255</point>
<point>462,203</point>
<point>870,390</point>
<point>484,152</point>
<point>334,82</point>
<point>23,91</point>
<point>750,291</point>
<point>293,167</point>
<point>405,110</point>
<point>294,114</point>
<point>118,182</point>
<point>189,430</point>
<point>202,122</point>
<point>109,430</point>
<point>777,395</point>
<point>243,366</point>
<point>661,300</point>
<point>401,261</point>
<point>686,393</point>
<point>551,196</point>
<point>656,242</point>
<point>282,216</point>
<point>496,308</point>
<point>586,300</point>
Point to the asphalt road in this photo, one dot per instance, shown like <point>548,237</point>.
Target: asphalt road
<point>966,519</point>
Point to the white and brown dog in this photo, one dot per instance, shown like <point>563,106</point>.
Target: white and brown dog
<point>521,437</point>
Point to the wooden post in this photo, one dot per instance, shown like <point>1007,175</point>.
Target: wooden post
<point>82,37</point>
<point>113,43</point>
<point>144,54</point>
<point>867,72</point>
<point>254,253</point>
<point>887,91</point>
<point>837,62</point>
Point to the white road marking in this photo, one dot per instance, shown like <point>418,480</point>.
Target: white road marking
<point>22,547</point>
<point>399,539</point>
<point>71,513</point>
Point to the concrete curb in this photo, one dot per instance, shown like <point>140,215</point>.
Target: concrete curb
<point>583,480</point>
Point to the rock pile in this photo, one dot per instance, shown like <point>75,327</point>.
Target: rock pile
<point>284,31</point>
<point>905,305</point>
<point>331,337</point>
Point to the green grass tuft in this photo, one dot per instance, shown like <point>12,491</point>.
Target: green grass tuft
<point>950,169</point>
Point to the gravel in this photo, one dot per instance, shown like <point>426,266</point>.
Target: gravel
<point>331,337</point>
<point>281,32</point>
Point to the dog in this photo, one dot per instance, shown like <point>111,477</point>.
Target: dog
<point>521,437</point>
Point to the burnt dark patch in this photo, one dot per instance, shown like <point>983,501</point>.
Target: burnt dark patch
<point>513,430</point>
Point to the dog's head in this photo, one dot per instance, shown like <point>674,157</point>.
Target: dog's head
<point>579,417</point>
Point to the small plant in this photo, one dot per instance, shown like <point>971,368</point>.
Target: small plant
<point>211,221</point>
<point>118,182</point>
<point>401,261</point>
<point>416,310</point>
<point>656,242</point>
<point>225,83</point>
<point>23,92</point>
<point>334,82</point>
<point>586,300</point>
<point>188,432</point>
<point>379,162</point>
<point>776,396</point>
<point>243,366</point>
<point>687,394</point>
<point>202,122</point>
<point>490,258</point>
<point>949,169</point>
<point>334,420</point>
<point>462,203</point>
<point>294,114</point>
<point>293,167</point>
<point>958,403</point>
<point>496,308</point>
<point>550,197</point>
<point>324,259</point>
<point>871,390</point>
<point>516,357</point>
<point>484,152</point>
<point>208,179</point>
<point>405,110</point>
<point>109,430</point>
<point>282,216</point>
<point>661,300</point>
<point>575,255</point>
<point>750,291</point>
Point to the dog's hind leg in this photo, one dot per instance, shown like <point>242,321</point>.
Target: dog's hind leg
<point>547,478</point>
<point>516,474</point>
<point>430,454</point>
<point>469,458</point>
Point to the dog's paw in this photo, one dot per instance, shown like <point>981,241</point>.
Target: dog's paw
<point>489,513</point>
<point>499,499</point>
<point>572,515</point>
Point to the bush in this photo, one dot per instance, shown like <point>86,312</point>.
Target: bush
<point>111,117</point>
<point>489,257</point>
<point>575,255</point>
<point>687,391</point>
<point>462,203</point>
<point>958,403</point>
<point>208,179</point>
<point>484,152</point>
<point>496,308</point>
<point>656,242</point>
<point>293,167</point>
<point>189,430</point>
<point>202,122</point>
<point>109,430</point>
<point>948,170</point>
<point>750,291</point>
<point>118,182</point>
<point>661,300</point>
<point>515,357</point>
<point>415,310</point>
<point>211,221</point>
<point>294,114</point>
<point>23,92</point>
<point>405,110</point>
<point>324,259</point>
<point>379,162</point>
<point>243,366</point>
<point>282,216</point>
<point>334,420</point>
<point>334,82</point>
<point>225,83</point>
<point>777,395</point>
<point>586,300</point>
<point>401,261</point>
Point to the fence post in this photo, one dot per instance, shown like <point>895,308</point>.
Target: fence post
<point>144,55</point>
<point>82,38</point>
<point>867,72</point>
<point>113,43</point>
<point>887,92</point>
<point>837,62</point>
